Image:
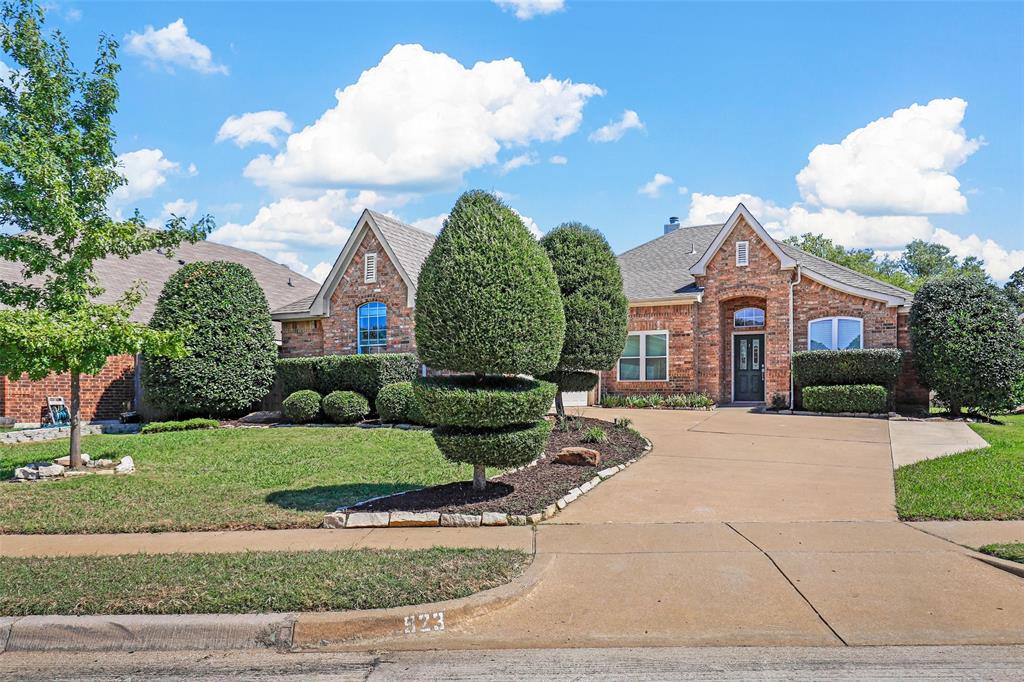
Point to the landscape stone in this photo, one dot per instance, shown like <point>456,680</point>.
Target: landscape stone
<point>26,473</point>
<point>51,471</point>
<point>65,461</point>
<point>550,511</point>
<point>536,518</point>
<point>402,519</point>
<point>262,417</point>
<point>367,520</point>
<point>493,519</point>
<point>460,520</point>
<point>578,457</point>
<point>607,473</point>
<point>561,503</point>
<point>335,520</point>
<point>518,520</point>
<point>586,487</point>
<point>126,465</point>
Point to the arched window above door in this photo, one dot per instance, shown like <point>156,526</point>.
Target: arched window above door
<point>747,318</point>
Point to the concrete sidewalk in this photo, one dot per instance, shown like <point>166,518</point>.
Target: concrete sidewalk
<point>914,441</point>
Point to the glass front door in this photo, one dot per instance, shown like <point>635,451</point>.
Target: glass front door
<point>748,367</point>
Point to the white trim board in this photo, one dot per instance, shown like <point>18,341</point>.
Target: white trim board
<point>701,266</point>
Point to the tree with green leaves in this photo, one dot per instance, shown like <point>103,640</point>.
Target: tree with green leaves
<point>487,306</point>
<point>924,261</point>
<point>860,260</point>
<point>1014,288</point>
<point>57,172</point>
<point>596,309</point>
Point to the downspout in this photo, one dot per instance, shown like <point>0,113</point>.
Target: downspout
<point>792,383</point>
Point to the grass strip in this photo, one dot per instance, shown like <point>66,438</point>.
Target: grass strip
<point>1010,552</point>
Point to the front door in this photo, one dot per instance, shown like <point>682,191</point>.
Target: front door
<point>748,367</point>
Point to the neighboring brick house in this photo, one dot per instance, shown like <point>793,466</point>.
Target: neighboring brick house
<point>713,308</point>
<point>117,387</point>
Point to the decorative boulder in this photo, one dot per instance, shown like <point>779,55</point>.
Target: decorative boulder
<point>578,457</point>
<point>125,466</point>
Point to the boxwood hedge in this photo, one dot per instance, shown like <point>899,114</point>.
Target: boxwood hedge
<point>345,407</point>
<point>302,407</point>
<point>880,366</point>
<point>487,402</point>
<point>364,374</point>
<point>857,398</point>
<point>508,447</point>
<point>397,404</point>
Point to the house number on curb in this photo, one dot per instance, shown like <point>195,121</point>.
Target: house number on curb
<point>424,622</point>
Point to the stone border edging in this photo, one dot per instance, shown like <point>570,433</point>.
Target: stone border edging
<point>404,519</point>
<point>359,629</point>
<point>41,434</point>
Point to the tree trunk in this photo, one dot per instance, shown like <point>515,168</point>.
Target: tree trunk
<point>76,422</point>
<point>479,477</point>
<point>559,407</point>
<point>954,409</point>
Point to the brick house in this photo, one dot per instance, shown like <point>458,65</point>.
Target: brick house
<point>117,387</point>
<point>713,308</point>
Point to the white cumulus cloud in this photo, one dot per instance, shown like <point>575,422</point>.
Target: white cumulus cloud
<point>558,160</point>
<point>653,188</point>
<point>432,224</point>
<point>172,46</point>
<point>520,161</point>
<point>999,262</point>
<point>255,127</point>
<point>421,118</point>
<point>901,163</point>
<point>616,129</point>
<point>146,170</point>
<point>528,9</point>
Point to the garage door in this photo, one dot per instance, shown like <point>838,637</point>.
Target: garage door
<point>574,398</point>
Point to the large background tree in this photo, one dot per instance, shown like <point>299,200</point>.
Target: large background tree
<point>231,346</point>
<point>57,171</point>
<point>596,309</point>
<point>968,343</point>
<point>1015,289</point>
<point>488,306</point>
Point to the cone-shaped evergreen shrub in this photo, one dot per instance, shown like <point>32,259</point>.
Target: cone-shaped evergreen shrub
<point>487,303</point>
<point>596,309</point>
<point>232,352</point>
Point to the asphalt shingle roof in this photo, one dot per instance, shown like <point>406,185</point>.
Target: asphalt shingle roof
<point>659,268</point>
<point>410,244</point>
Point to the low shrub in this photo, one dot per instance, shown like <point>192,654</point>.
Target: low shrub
<point>862,398</point>
<point>364,374</point>
<point>622,423</point>
<point>879,366</point>
<point>302,406</point>
<point>594,435</point>
<point>491,402</point>
<point>396,404</point>
<point>345,407</point>
<point>657,400</point>
<point>779,401</point>
<point>186,425</point>
<point>503,448</point>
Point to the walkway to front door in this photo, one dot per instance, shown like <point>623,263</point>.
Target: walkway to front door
<point>748,367</point>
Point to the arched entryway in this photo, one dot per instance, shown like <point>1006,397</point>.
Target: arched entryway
<point>744,349</point>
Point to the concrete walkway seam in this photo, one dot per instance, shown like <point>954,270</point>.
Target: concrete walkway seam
<point>791,584</point>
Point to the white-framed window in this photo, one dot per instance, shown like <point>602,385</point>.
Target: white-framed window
<point>748,317</point>
<point>370,267</point>
<point>835,333</point>
<point>742,253</point>
<point>645,357</point>
<point>372,320</point>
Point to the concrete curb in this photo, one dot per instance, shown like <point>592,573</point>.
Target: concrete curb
<point>1002,564</point>
<point>357,630</point>
<point>147,633</point>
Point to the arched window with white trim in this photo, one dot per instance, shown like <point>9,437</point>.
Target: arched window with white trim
<point>835,333</point>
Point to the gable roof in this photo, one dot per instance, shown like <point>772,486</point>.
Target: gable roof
<point>700,267</point>
<point>663,268</point>
<point>280,284</point>
<point>406,246</point>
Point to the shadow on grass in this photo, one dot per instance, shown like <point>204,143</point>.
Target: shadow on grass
<point>327,498</point>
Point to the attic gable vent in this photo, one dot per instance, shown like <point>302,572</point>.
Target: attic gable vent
<point>742,253</point>
<point>370,267</point>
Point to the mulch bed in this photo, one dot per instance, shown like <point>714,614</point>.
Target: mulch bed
<point>523,492</point>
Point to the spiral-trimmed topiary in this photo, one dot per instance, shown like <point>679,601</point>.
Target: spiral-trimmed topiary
<point>503,448</point>
<point>488,402</point>
<point>397,404</point>
<point>302,407</point>
<point>345,407</point>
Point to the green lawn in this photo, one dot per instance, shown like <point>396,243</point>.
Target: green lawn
<point>1011,552</point>
<point>250,582</point>
<point>220,479</point>
<point>975,485</point>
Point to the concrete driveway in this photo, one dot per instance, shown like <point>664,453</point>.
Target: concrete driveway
<point>748,529</point>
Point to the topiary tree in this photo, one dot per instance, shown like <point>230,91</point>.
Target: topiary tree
<point>396,404</point>
<point>488,305</point>
<point>231,365</point>
<point>302,407</point>
<point>345,407</point>
<point>596,309</point>
<point>968,343</point>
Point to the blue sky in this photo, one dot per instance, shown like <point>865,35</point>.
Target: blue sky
<point>615,114</point>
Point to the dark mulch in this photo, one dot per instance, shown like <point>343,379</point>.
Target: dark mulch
<point>522,492</point>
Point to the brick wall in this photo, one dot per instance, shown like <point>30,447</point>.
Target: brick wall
<point>908,389</point>
<point>678,321</point>
<point>104,395</point>
<point>813,300</point>
<point>301,338</point>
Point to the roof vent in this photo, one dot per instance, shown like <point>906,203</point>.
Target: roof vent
<point>181,261</point>
<point>672,225</point>
<point>290,282</point>
<point>693,249</point>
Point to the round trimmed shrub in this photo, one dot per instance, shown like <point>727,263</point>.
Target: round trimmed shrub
<point>508,447</point>
<point>488,402</point>
<point>345,407</point>
<point>397,404</point>
<point>302,407</point>
<point>487,301</point>
<point>231,342</point>
<point>968,345</point>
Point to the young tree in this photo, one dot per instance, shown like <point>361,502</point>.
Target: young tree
<point>57,171</point>
<point>968,342</point>
<point>487,305</point>
<point>231,345</point>
<point>596,309</point>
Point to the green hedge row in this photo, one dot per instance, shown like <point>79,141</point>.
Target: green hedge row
<point>861,398</point>
<point>186,425</point>
<point>489,402</point>
<point>504,448</point>
<point>687,400</point>
<point>396,404</point>
<point>364,374</point>
<point>879,366</point>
